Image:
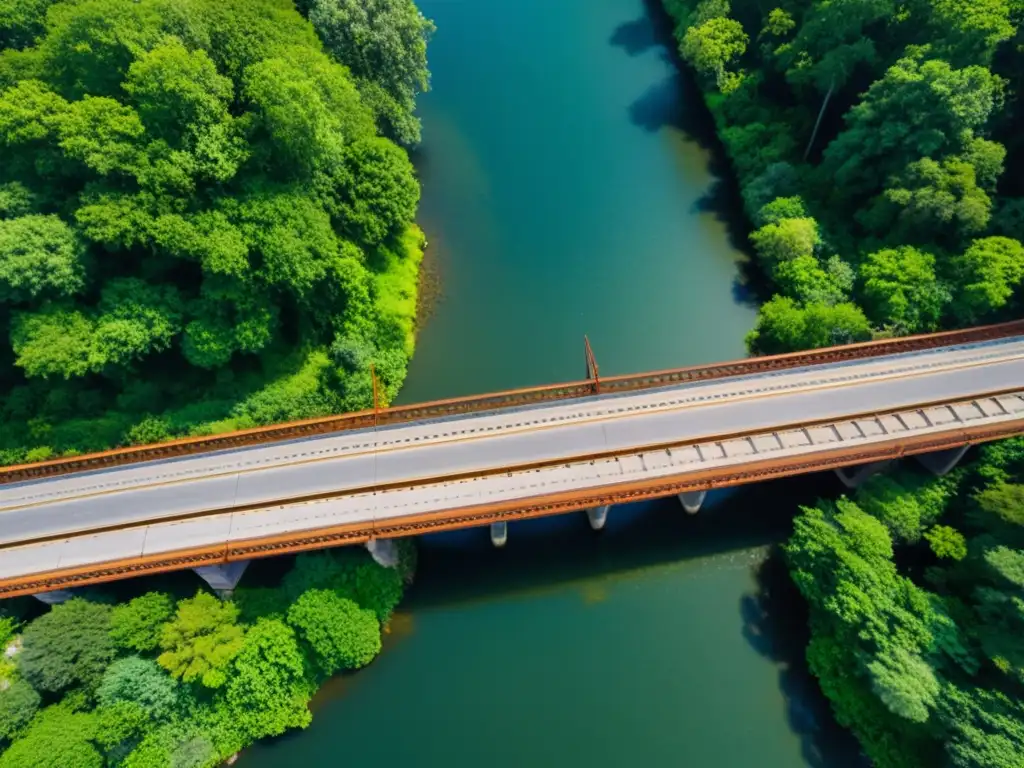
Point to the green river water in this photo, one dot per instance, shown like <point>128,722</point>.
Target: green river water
<point>570,188</point>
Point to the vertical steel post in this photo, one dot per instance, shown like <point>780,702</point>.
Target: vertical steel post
<point>376,394</point>
<point>592,369</point>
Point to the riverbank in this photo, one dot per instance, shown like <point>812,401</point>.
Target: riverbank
<point>149,673</point>
<point>580,190</point>
<point>867,236</point>
<point>238,260</point>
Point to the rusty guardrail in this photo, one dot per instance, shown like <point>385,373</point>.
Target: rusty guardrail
<point>507,399</point>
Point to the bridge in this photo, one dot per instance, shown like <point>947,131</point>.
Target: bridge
<point>214,503</point>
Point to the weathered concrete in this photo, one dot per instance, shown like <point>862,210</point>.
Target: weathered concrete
<point>598,516</point>
<point>692,501</point>
<point>941,462</point>
<point>499,534</point>
<point>56,597</point>
<point>384,552</point>
<point>852,477</point>
<point>223,578</point>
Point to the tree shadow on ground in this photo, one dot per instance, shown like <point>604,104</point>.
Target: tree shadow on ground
<point>775,625</point>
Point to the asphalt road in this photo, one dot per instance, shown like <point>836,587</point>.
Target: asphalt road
<point>418,457</point>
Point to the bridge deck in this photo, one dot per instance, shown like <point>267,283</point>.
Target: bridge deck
<point>251,501</point>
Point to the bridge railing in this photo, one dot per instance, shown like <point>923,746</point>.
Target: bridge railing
<point>402,414</point>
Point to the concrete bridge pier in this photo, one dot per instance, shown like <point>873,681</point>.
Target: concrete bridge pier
<point>56,597</point>
<point>852,477</point>
<point>223,578</point>
<point>384,552</point>
<point>692,501</point>
<point>598,516</point>
<point>499,534</point>
<point>941,462</point>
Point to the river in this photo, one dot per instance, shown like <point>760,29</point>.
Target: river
<point>572,186</point>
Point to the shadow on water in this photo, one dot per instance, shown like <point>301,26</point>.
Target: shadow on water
<point>775,625</point>
<point>547,553</point>
<point>635,37</point>
<point>677,103</point>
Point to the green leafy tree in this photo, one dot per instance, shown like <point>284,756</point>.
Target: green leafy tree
<point>931,200</point>
<point>268,691</point>
<point>900,289</point>
<point>782,208</point>
<point>119,728</point>
<point>963,32</point>
<point>946,542</point>
<point>710,48</point>
<point>142,682</point>
<point>18,704</point>
<point>784,326</point>
<point>70,645</point>
<point>137,624</point>
<point>905,502</point>
<point>341,634</point>
<point>57,737</point>
<point>917,110</point>
<point>55,342</point>
<point>806,280</point>
<point>16,200</point>
<point>376,191</point>
<point>384,43</point>
<point>354,575</point>
<point>905,684</point>
<point>39,256</point>
<point>785,240</point>
<point>21,21</point>
<point>988,273</point>
<point>201,640</point>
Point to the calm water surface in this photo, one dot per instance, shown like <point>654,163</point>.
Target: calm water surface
<point>569,189</point>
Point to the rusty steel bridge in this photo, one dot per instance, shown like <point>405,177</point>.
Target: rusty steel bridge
<point>213,503</point>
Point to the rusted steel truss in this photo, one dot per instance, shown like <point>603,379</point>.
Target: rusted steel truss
<point>550,504</point>
<point>518,397</point>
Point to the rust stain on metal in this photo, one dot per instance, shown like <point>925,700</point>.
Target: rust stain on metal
<point>550,504</point>
<point>475,404</point>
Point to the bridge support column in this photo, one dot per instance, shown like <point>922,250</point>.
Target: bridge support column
<point>499,534</point>
<point>692,501</point>
<point>384,552</point>
<point>598,516</point>
<point>56,597</point>
<point>941,462</point>
<point>852,477</point>
<point>223,578</point>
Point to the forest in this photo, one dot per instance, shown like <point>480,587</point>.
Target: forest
<point>173,678</point>
<point>879,150</point>
<point>878,146</point>
<point>206,215</point>
<point>206,223</point>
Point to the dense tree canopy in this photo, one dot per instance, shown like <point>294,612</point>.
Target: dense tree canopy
<point>136,625</point>
<point>201,640</point>
<point>341,634</point>
<point>195,199</point>
<point>69,646</point>
<point>190,682</point>
<point>870,138</point>
<point>384,44</point>
<point>879,150</point>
